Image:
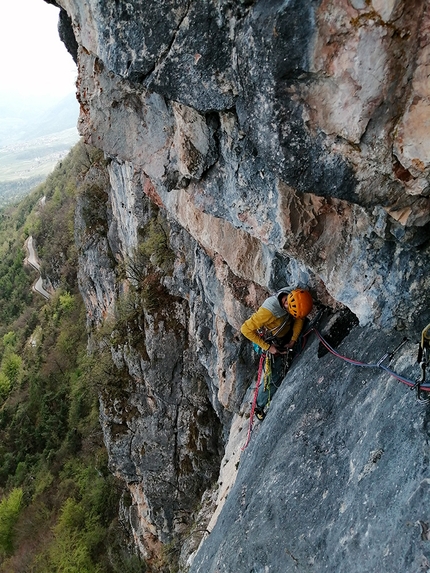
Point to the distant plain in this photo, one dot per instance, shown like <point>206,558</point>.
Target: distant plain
<point>34,136</point>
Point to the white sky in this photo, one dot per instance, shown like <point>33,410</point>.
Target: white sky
<point>33,60</point>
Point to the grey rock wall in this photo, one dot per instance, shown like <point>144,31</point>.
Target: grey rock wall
<point>160,406</point>
<point>336,477</point>
<point>295,122</point>
<point>284,143</point>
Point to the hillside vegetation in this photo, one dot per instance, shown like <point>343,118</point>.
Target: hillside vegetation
<point>59,503</point>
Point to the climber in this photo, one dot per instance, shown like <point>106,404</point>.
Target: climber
<point>274,329</point>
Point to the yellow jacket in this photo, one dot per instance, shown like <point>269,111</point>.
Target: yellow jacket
<point>264,318</point>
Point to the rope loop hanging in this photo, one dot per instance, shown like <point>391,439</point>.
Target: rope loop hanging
<point>261,366</point>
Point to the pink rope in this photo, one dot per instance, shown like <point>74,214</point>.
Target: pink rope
<point>424,386</point>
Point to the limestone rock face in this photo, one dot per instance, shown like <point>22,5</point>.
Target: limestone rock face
<point>283,143</point>
<point>262,115</point>
<point>336,477</point>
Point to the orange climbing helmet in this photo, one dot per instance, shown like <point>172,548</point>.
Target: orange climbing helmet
<point>299,303</point>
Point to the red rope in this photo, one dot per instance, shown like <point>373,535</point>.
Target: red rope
<point>335,353</point>
<point>254,401</point>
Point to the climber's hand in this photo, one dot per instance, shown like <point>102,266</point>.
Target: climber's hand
<point>274,350</point>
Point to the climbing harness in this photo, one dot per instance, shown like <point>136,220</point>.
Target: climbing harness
<point>271,336</point>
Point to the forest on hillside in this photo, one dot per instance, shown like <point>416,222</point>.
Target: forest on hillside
<point>59,503</point>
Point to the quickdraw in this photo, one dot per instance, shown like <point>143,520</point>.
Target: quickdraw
<point>423,360</point>
<point>270,336</point>
<point>267,372</point>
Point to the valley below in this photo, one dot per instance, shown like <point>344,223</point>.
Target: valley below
<point>34,137</point>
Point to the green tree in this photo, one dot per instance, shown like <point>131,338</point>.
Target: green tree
<point>10,508</point>
<point>75,536</point>
<point>9,339</point>
<point>11,366</point>
<point>5,385</point>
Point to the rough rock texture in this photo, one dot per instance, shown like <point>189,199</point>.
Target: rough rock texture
<point>302,124</point>
<point>336,478</point>
<point>285,142</point>
<point>162,433</point>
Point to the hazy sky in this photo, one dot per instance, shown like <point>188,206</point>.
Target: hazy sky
<point>33,60</point>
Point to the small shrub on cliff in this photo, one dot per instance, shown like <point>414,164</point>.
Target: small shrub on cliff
<point>153,253</point>
<point>153,259</point>
<point>156,246</point>
<point>94,210</point>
